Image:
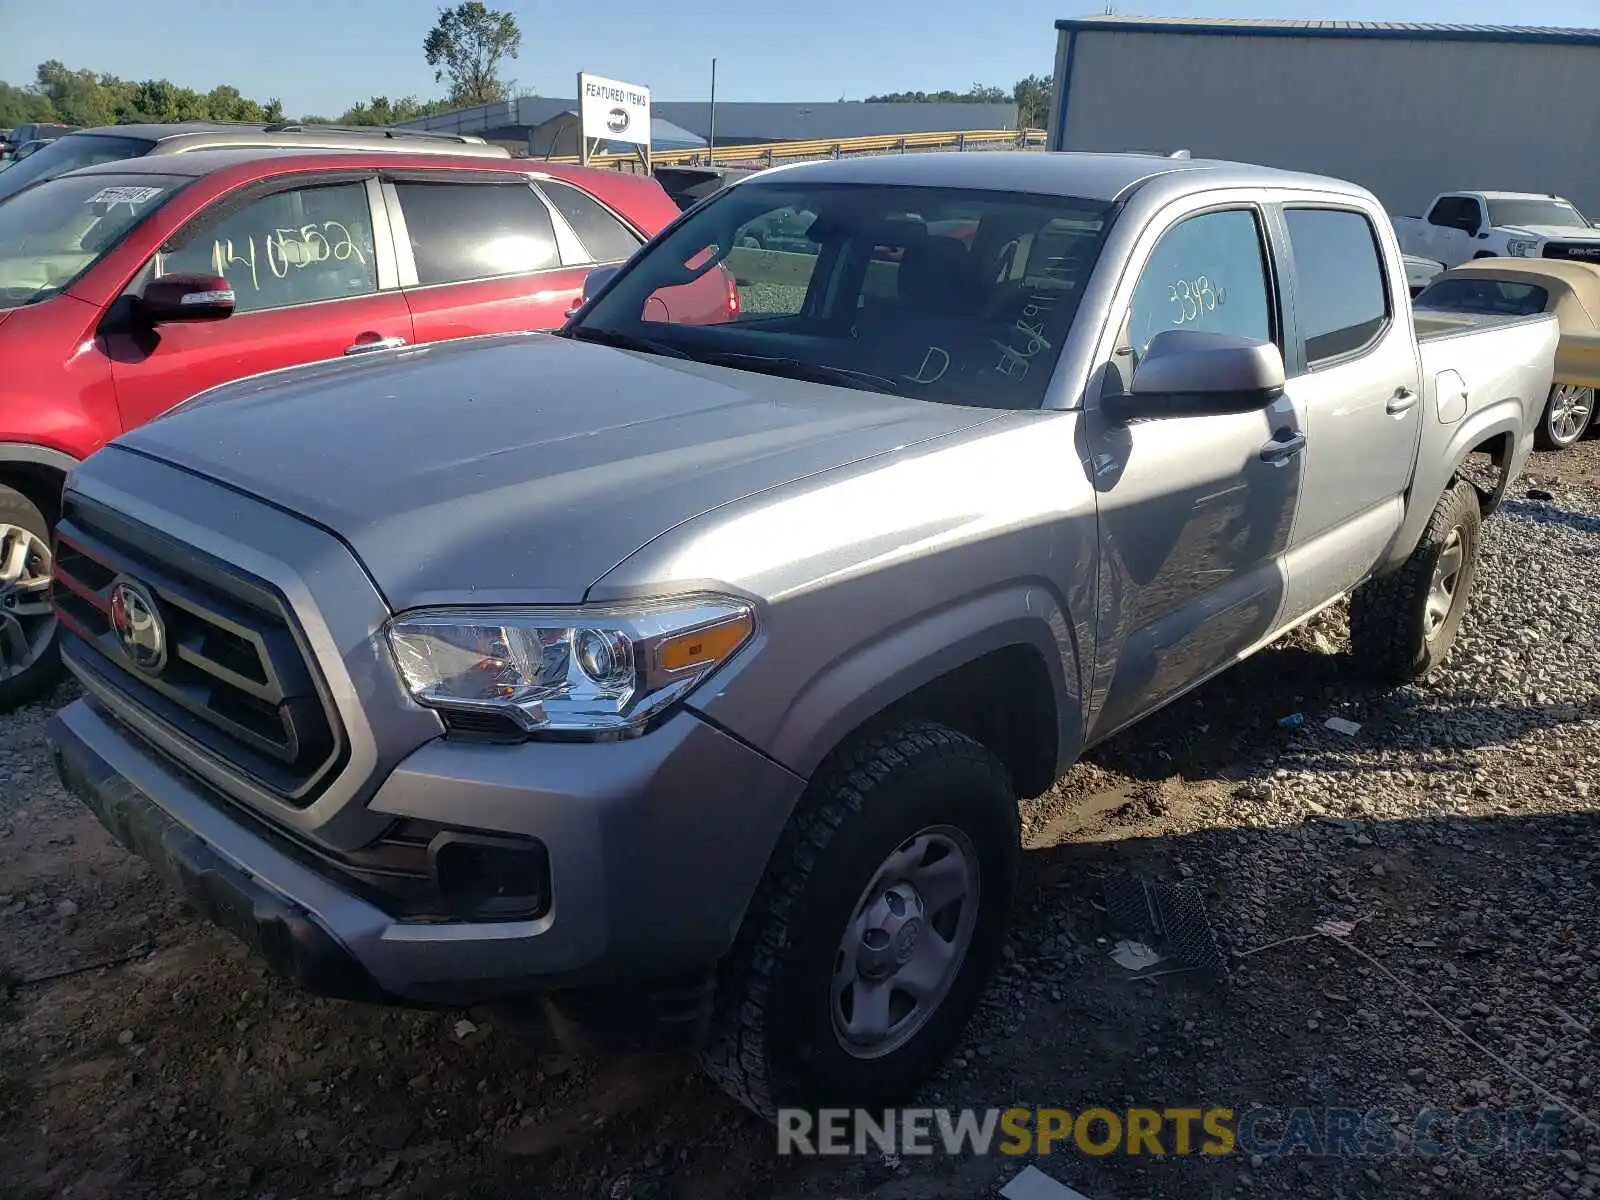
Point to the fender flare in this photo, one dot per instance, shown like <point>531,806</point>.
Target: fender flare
<point>1496,420</point>
<point>872,676</point>
<point>36,456</point>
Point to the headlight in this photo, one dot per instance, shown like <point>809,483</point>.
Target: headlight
<point>588,669</point>
<point>1521,247</point>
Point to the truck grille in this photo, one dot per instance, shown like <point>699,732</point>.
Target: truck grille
<point>210,653</point>
<point>1579,251</point>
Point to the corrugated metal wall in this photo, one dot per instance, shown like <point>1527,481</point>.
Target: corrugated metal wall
<point>1406,119</point>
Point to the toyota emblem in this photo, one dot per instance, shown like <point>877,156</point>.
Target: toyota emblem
<point>138,626</point>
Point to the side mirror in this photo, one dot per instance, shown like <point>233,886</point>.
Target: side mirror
<point>592,283</point>
<point>184,297</point>
<point>597,279</point>
<point>1191,373</point>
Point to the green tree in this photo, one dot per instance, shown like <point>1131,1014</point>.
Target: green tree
<point>224,103</point>
<point>272,110</point>
<point>466,47</point>
<point>380,110</point>
<point>78,97</point>
<point>21,106</point>
<point>1032,98</point>
<point>978,93</point>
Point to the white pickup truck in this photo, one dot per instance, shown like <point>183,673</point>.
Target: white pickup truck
<point>1461,226</point>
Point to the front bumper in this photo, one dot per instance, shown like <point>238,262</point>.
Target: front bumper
<point>655,846</point>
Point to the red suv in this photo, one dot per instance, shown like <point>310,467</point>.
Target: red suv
<point>129,286</point>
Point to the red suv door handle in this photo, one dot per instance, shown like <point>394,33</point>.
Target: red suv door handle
<point>376,344</point>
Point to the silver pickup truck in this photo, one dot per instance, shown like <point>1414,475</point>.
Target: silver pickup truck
<point>653,682</point>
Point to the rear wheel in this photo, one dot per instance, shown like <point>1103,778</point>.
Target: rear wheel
<point>1403,625</point>
<point>879,922</point>
<point>1567,416</point>
<point>29,664</point>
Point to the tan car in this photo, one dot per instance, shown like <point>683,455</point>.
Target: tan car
<point>1518,287</point>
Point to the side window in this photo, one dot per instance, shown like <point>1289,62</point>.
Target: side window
<point>293,247</point>
<point>463,231</point>
<point>1340,298</point>
<point>1456,212</point>
<point>773,261</point>
<point>1207,273</point>
<point>605,237</point>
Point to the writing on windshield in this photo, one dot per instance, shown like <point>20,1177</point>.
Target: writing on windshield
<point>961,296</point>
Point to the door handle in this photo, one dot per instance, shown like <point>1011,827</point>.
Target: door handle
<point>1283,446</point>
<point>1403,400</point>
<point>372,347</point>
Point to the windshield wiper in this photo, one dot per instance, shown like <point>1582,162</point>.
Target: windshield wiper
<point>799,368</point>
<point>623,341</point>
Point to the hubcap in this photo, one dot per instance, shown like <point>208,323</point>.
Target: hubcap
<point>905,942</point>
<point>1446,578</point>
<point>1569,411</point>
<point>26,618</point>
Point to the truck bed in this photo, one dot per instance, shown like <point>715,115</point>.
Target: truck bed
<point>1434,325</point>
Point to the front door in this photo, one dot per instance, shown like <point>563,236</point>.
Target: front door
<point>1452,229</point>
<point>304,266</point>
<point>1195,512</point>
<point>1356,387</point>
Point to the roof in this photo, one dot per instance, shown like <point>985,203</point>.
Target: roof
<point>199,163</point>
<point>1100,177</point>
<point>664,135</point>
<point>1391,30</point>
<point>747,121</point>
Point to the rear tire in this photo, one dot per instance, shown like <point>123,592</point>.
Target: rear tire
<point>1567,415</point>
<point>29,662</point>
<point>1403,625</point>
<point>855,908</point>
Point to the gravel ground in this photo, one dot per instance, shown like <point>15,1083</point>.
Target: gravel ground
<point>1456,827</point>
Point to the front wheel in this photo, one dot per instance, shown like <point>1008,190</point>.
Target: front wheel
<point>29,665</point>
<point>879,921</point>
<point>1567,416</point>
<point>1403,625</point>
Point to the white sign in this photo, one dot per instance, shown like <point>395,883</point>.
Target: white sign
<point>612,111</point>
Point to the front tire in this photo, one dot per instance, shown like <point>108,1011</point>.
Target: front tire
<point>1567,416</point>
<point>29,662</point>
<point>1403,625</point>
<point>879,921</point>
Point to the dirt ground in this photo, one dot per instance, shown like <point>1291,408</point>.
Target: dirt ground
<point>144,1055</point>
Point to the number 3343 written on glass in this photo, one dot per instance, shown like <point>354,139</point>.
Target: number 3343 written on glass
<point>1192,299</point>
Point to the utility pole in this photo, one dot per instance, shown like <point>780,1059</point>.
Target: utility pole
<point>711,135</point>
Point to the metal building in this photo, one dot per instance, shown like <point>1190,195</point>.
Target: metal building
<point>1405,110</point>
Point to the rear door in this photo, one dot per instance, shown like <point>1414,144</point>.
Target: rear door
<point>1353,377</point>
<point>481,253</point>
<point>313,274</point>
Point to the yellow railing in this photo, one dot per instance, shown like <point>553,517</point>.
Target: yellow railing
<point>767,152</point>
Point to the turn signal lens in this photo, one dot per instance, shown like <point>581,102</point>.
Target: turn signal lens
<point>703,647</point>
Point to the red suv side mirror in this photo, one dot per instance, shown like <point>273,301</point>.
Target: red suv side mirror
<point>184,297</point>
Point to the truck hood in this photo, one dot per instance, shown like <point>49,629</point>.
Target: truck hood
<point>1554,233</point>
<point>521,468</point>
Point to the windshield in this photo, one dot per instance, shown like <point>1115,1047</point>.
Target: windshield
<point>1536,212</point>
<point>1484,296</point>
<point>68,154</point>
<point>952,295</point>
<point>51,234</point>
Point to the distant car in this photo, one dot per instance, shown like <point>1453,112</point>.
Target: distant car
<point>1463,226</point>
<point>110,143</point>
<point>1420,271</point>
<point>689,185</point>
<point>29,149</point>
<point>128,287</point>
<point>1516,287</point>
